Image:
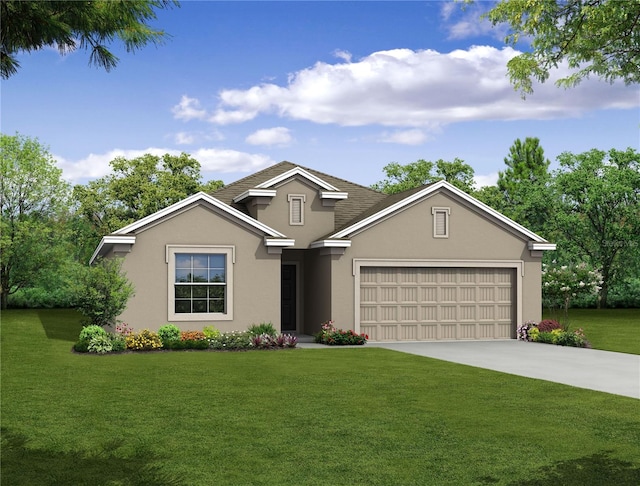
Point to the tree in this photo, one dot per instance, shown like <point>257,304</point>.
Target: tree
<point>523,185</point>
<point>594,37</point>
<point>32,199</point>
<point>32,25</point>
<point>599,210</point>
<point>136,188</point>
<point>102,291</point>
<point>457,173</point>
<point>415,174</point>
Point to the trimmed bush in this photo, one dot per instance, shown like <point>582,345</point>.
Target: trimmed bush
<point>169,332</point>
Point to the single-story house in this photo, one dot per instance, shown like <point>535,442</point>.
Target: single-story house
<point>296,247</point>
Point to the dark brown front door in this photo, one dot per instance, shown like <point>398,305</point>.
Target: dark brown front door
<point>288,308</point>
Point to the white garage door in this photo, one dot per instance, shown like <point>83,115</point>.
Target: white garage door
<point>428,304</point>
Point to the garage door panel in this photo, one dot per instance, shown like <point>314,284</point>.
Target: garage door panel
<point>436,303</point>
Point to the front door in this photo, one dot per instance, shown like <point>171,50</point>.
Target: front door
<point>288,293</point>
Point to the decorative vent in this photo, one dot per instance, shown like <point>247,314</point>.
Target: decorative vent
<point>440,222</point>
<point>296,209</point>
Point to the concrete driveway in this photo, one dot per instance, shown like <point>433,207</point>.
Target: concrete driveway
<point>605,371</point>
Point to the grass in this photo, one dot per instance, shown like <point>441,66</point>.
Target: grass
<point>608,329</point>
<point>301,417</point>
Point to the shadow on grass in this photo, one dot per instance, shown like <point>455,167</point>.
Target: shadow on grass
<point>597,469</point>
<point>61,324</point>
<point>22,465</point>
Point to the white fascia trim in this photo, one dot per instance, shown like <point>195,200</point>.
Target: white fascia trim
<point>333,195</point>
<point>533,245</point>
<point>429,190</point>
<point>294,172</point>
<point>111,240</point>
<point>200,197</point>
<point>281,242</point>
<point>254,193</point>
<point>331,244</point>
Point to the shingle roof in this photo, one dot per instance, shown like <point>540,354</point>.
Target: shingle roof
<point>360,197</point>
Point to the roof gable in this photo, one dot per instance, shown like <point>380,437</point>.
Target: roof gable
<point>194,199</point>
<point>360,197</point>
<point>398,202</point>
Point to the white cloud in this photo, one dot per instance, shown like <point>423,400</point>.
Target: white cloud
<point>416,89</point>
<point>415,136</point>
<point>485,180</point>
<point>464,21</point>
<point>188,109</point>
<point>184,138</point>
<point>279,136</point>
<point>344,55</point>
<point>211,159</point>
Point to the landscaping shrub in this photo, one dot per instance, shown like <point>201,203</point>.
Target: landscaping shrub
<point>548,325</point>
<point>89,332</point>
<point>169,332</point>
<point>100,344</point>
<point>118,342</point>
<point>234,340</point>
<point>102,291</point>
<point>179,344</point>
<point>211,332</point>
<point>524,329</point>
<point>266,341</point>
<point>545,337</point>
<point>192,336</point>
<point>143,341</point>
<point>82,346</point>
<point>333,336</point>
<point>261,329</point>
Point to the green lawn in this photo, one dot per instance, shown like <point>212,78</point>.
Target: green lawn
<point>301,417</point>
<point>608,329</point>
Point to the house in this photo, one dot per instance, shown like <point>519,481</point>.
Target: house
<point>296,247</point>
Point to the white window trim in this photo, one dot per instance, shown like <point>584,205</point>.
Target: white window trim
<point>296,197</point>
<point>446,211</point>
<point>229,252</point>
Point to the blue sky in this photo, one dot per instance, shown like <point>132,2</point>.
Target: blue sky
<point>341,87</point>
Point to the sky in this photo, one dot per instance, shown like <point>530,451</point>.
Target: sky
<point>341,87</point>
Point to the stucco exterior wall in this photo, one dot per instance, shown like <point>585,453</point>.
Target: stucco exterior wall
<point>409,235</point>
<point>256,274</point>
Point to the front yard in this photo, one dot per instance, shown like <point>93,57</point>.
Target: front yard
<point>300,416</point>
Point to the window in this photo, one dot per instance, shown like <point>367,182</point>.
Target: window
<point>200,283</point>
<point>296,209</point>
<point>440,222</point>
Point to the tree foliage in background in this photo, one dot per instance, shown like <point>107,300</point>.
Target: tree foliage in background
<point>33,203</point>
<point>599,211</point>
<point>66,26</point>
<point>594,37</point>
<point>136,188</point>
<point>523,184</point>
<point>415,174</point>
<point>102,291</point>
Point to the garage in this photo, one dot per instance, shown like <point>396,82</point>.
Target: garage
<point>408,303</point>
